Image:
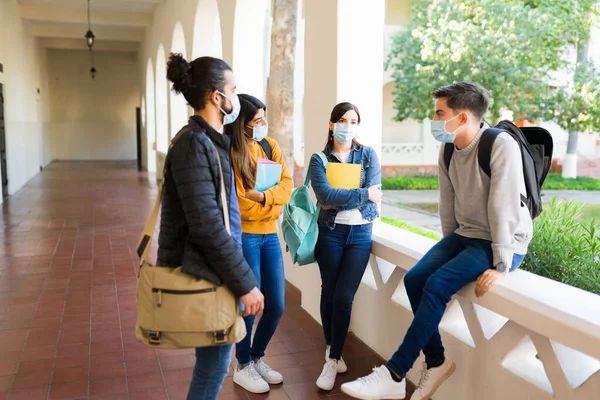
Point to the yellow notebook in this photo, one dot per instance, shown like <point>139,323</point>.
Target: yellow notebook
<point>343,176</point>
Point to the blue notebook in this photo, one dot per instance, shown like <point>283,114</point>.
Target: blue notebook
<point>268,174</point>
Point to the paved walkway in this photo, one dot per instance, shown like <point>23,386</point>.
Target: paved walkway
<point>393,199</point>
<point>432,196</point>
<point>68,309</point>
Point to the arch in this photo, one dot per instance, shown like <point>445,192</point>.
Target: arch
<point>249,48</point>
<point>162,102</point>
<point>207,39</point>
<point>179,111</point>
<point>150,119</point>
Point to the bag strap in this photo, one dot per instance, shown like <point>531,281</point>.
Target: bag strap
<point>144,245</point>
<point>266,148</point>
<point>484,153</point>
<point>323,158</point>
<point>448,152</point>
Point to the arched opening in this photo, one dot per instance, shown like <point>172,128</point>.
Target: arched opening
<point>150,119</point>
<point>207,30</point>
<point>179,107</point>
<point>249,47</point>
<point>162,102</point>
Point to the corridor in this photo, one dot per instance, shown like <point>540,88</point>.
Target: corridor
<point>67,299</point>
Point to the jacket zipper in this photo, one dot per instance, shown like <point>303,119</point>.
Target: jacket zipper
<point>179,292</point>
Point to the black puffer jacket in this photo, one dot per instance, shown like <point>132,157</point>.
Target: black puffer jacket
<point>192,229</point>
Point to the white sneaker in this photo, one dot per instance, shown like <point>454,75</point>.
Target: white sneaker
<point>342,367</point>
<point>377,386</point>
<point>327,379</point>
<point>250,379</point>
<point>431,379</point>
<point>270,376</point>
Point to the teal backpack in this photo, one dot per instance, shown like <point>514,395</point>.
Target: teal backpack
<point>299,225</point>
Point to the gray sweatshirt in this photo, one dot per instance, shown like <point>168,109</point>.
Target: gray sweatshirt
<point>476,206</point>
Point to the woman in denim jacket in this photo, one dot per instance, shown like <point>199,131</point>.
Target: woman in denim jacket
<point>345,231</point>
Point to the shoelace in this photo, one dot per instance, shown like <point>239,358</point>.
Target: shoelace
<point>253,372</point>
<point>261,365</point>
<point>331,369</point>
<point>374,377</point>
<point>423,376</point>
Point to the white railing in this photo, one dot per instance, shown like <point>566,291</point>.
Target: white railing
<point>528,338</point>
<point>407,154</point>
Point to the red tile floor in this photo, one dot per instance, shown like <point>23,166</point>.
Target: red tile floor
<point>67,299</point>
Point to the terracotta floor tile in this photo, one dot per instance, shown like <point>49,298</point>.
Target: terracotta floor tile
<point>69,391</point>
<point>35,366</point>
<point>177,392</point>
<point>7,367</point>
<point>149,394</point>
<point>104,371</point>
<point>67,375</point>
<point>145,381</point>
<point>176,362</point>
<point>31,379</point>
<point>108,386</point>
<point>35,393</point>
<point>5,382</point>
<point>142,367</point>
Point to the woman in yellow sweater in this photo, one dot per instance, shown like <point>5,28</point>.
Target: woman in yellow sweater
<point>259,212</point>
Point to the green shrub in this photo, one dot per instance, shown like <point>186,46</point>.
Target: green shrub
<point>553,182</point>
<point>557,182</point>
<point>410,183</point>
<point>411,228</point>
<point>564,249</point>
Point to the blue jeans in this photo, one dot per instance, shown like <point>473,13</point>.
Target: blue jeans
<point>343,254</point>
<point>263,253</point>
<point>450,265</point>
<point>212,367</point>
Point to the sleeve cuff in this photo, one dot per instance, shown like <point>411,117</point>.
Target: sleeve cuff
<point>268,197</point>
<point>503,254</point>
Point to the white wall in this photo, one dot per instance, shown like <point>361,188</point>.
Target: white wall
<point>93,119</point>
<point>26,112</point>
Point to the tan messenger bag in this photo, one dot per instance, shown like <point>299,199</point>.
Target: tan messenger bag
<point>178,311</point>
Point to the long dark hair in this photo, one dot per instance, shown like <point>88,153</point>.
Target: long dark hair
<point>336,114</point>
<point>196,80</point>
<point>241,153</point>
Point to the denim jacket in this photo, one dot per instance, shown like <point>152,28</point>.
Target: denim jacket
<point>344,199</point>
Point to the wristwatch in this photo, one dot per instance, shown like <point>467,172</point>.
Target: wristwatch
<point>501,267</point>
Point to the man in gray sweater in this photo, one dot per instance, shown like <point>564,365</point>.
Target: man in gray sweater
<point>486,230</point>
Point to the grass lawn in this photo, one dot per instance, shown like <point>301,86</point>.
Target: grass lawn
<point>553,182</point>
<point>411,228</point>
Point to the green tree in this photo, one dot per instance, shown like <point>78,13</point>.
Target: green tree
<point>510,47</point>
<point>575,104</point>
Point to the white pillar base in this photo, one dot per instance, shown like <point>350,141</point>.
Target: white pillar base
<point>570,166</point>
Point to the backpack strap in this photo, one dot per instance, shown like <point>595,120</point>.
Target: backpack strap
<point>266,148</point>
<point>484,154</point>
<point>323,158</point>
<point>448,152</point>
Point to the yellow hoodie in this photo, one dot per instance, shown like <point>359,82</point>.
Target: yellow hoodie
<point>261,218</point>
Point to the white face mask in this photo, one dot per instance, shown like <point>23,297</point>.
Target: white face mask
<point>259,132</point>
<point>345,133</point>
<point>235,110</point>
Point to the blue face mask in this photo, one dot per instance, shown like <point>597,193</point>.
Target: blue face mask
<point>259,132</point>
<point>345,133</point>
<point>439,132</point>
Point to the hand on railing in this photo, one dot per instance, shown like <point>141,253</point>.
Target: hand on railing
<point>486,280</point>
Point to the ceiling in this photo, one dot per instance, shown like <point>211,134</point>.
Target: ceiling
<point>119,25</point>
